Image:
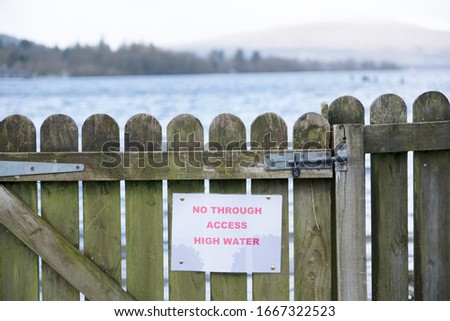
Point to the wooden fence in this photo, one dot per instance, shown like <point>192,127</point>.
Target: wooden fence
<point>329,236</point>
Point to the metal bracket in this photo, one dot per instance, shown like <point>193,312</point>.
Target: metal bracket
<point>13,168</point>
<point>306,160</point>
<point>341,156</point>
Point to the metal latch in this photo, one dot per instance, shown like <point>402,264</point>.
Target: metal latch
<point>13,168</point>
<point>306,160</point>
<point>341,156</point>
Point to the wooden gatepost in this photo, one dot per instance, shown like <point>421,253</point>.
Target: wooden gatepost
<point>122,195</point>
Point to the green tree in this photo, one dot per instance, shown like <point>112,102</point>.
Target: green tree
<point>239,61</point>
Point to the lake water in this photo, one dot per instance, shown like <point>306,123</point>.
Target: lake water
<point>205,96</point>
<point>246,95</point>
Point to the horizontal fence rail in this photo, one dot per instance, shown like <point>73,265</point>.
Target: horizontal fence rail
<point>221,164</point>
<point>326,226</point>
<point>397,138</point>
<point>107,166</point>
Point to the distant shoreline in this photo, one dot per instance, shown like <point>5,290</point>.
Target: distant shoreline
<point>24,59</point>
<point>9,76</point>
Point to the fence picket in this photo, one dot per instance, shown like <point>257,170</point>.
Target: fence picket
<point>431,207</point>
<point>268,131</point>
<point>348,203</point>
<point>59,133</point>
<point>312,217</point>
<point>389,189</point>
<point>144,216</point>
<point>18,264</point>
<point>101,201</point>
<point>227,132</point>
<point>184,132</point>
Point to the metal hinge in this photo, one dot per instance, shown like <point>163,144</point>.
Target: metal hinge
<point>13,168</point>
<point>307,160</point>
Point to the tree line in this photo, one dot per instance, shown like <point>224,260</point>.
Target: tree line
<point>26,58</point>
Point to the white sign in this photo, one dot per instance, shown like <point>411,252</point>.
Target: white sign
<point>226,233</point>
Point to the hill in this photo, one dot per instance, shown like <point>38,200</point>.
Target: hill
<point>404,44</point>
<point>8,40</point>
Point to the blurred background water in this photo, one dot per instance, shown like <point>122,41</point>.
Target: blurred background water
<point>205,96</point>
<point>246,95</point>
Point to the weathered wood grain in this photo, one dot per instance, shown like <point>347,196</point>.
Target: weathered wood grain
<point>348,202</point>
<point>312,217</point>
<point>389,189</point>
<point>324,244</point>
<point>144,216</point>
<point>59,201</point>
<point>350,217</point>
<point>431,207</point>
<point>268,131</point>
<point>346,110</point>
<point>18,264</point>
<point>184,132</point>
<point>227,132</point>
<point>398,137</point>
<point>101,202</point>
<point>54,249</point>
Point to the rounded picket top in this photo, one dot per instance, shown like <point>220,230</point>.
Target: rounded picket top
<point>268,130</point>
<point>17,134</point>
<point>227,131</point>
<point>311,130</point>
<point>346,110</point>
<point>144,132</point>
<point>187,130</point>
<point>431,106</point>
<point>59,133</point>
<point>98,130</point>
<point>388,108</point>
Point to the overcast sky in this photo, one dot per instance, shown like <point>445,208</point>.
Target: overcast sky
<point>173,22</point>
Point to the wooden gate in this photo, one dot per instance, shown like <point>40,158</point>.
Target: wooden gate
<point>40,212</point>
